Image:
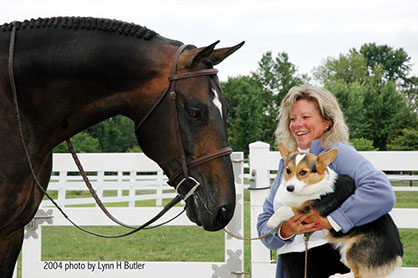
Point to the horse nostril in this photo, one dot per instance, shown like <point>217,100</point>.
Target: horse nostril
<point>290,188</point>
<point>222,214</point>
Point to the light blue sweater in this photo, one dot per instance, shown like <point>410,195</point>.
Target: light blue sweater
<point>373,197</point>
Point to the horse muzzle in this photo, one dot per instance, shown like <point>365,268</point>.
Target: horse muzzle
<point>211,210</point>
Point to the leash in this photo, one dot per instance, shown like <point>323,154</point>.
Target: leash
<point>306,240</point>
<point>236,236</point>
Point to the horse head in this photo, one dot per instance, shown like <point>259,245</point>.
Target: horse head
<point>193,150</point>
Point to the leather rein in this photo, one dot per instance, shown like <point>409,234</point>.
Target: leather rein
<point>185,165</point>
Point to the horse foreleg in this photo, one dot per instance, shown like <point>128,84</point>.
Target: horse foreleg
<point>10,246</point>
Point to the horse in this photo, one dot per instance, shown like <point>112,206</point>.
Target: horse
<point>61,75</point>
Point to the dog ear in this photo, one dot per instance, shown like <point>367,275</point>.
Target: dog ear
<point>284,151</point>
<point>325,159</point>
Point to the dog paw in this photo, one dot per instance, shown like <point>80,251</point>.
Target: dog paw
<point>281,215</point>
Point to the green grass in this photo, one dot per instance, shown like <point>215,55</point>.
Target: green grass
<point>409,238</point>
<point>406,199</point>
<point>162,244</point>
<point>175,243</point>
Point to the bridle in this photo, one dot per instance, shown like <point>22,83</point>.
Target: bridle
<point>185,166</point>
<point>174,76</point>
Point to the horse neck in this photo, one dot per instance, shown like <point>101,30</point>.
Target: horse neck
<point>69,80</point>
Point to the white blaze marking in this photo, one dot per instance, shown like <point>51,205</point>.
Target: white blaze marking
<point>217,102</point>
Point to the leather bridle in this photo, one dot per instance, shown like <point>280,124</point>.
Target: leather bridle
<point>186,165</point>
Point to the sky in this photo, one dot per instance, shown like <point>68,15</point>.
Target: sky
<point>309,31</point>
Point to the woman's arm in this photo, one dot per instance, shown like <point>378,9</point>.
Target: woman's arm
<point>373,196</point>
<point>274,241</point>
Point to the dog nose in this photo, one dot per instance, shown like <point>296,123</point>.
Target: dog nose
<point>290,188</point>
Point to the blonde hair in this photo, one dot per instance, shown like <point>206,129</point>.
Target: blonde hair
<point>328,108</point>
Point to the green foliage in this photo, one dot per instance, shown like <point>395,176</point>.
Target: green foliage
<point>255,100</point>
<point>244,121</point>
<point>394,62</point>
<point>275,76</point>
<point>113,135</point>
<point>82,142</point>
<point>366,84</point>
<point>362,144</point>
<point>406,140</point>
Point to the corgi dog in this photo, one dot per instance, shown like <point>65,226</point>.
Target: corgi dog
<point>370,250</point>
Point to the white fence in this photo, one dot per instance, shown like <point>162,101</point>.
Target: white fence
<point>128,174</point>
<point>120,171</point>
<point>263,162</point>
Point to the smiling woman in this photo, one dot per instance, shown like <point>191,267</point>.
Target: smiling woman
<point>310,120</point>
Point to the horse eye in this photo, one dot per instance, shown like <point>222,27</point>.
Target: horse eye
<point>194,114</point>
<point>302,173</point>
<point>288,171</point>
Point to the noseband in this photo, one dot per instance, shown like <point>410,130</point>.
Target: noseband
<point>172,94</point>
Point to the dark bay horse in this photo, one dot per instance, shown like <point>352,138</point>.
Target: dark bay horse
<point>71,73</point>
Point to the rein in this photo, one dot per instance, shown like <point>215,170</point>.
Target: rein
<point>185,166</point>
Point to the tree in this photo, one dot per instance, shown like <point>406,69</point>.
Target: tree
<point>82,142</point>
<point>275,77</point>
<point>368,93</point>
<point>406,140</point>
<point>362,144</point>
<point>112,135</point>
<point>115,134</point>
<point>245,114</point>
<point>395,63</point>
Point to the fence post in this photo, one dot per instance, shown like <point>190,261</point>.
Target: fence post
<point>260,256</point>
<point>62,180</point>
<point>234,249</point>
<point>100,182</point>
<point>159,191</point>
<point>132,179</point>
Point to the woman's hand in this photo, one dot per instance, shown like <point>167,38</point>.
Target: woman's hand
<point>298,225</point>
<point>315,217</point>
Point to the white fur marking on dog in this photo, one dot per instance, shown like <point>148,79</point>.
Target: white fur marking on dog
<point>298,158</point>
<point>217,102</point>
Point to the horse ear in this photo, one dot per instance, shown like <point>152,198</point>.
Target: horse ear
<point>195,56</point>
<point>218,55</point>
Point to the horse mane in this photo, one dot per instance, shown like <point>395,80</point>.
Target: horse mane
<point>88,23</point>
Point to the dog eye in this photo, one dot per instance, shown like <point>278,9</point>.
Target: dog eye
<point>302,173</point>
<point>288,171</point>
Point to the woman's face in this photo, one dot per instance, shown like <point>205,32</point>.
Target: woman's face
<point>306,124</point>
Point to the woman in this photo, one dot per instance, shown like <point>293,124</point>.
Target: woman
<point>310,120</point>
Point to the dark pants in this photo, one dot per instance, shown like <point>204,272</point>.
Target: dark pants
<point>323,261</point>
